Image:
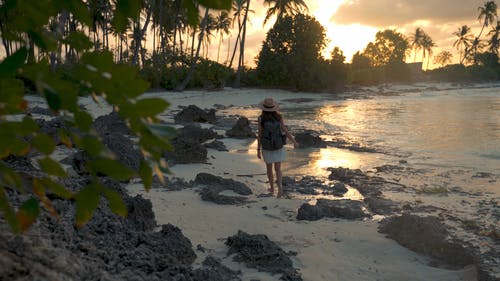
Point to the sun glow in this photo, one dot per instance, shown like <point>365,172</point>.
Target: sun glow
<point>349,38</point>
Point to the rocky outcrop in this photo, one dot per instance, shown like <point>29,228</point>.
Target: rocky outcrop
<point>367,185</point>
<point>217,145</point>
<point>428,236</point>
<point>382,206</point>
<point>109,124</point>
<point>108,247</point>
<point>309,139</point>
<point>40,111</point>
<point>241,130</point>
<point>227,184</point>
<point>186,151</point>
<point>213,270</point>
<point>313,186</point>
<point>52,127</point>
<point>257,251</point>
<point>213,194</point>
<point>192,113</point>
<point>345,208</point>
<point>339,189</point>
<point>187,145</point>
<point>195,133</point>
<point>214,185</point>
<point>124,149</point>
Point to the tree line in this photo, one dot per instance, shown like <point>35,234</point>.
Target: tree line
<point>170,46</point>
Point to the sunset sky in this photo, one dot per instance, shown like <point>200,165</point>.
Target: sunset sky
<point>351,24</point>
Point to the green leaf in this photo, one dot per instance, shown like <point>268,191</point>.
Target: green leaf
<point>64,138</point>
<point>216,4</point>
<point>51,167</point>
<point>43,41</point>
<point>125,9</point>
<point>87,201</point>
<point>53,99</point>
<point>98,61</point>
<point>10,178</point>
<point>150,141</point>
<point>92,145</point>
<point>43,143</point>
<point>146,174</point>
<point>111,168</point>
<point>151,107</point>
<point>8,212</point>
<point>129,8</point>
<point>163,130</point>
<point>164,170</point>
<point>11,96</point>
<point>28,213</point>
<point>191,12</point>
<point>57,188</point>
<point>83,120</point>
<point>120,22</point>
<point>28,126</point>
<point>11,63</point>
<point>19,147</point>
<point>80,11</point>
<point>79,41</point>
<point>115,201</point>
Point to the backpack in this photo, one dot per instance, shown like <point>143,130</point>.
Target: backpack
<point>272,137</point>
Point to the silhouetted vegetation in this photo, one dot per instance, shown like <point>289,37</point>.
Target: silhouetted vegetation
<point>48,53</point>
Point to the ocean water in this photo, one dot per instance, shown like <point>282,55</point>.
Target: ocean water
<point>455,129</point>
<point>449,128</point>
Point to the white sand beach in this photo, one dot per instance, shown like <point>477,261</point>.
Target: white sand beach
<point>327,249</point>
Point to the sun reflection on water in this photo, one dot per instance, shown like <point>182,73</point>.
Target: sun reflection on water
<point>333,157</point>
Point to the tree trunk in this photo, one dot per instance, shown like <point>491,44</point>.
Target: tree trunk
<point>218,47</point>
<point>192,42</point>
<point>228,49</point>
<point>241,61</point>
<point>139,33</point>
<point>240,27</point>
<point>190,74</point>
<point>180,44</point>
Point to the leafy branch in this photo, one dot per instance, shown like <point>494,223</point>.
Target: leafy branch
<point>31,26</point>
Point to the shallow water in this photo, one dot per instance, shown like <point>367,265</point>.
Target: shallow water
<point>453,129</point>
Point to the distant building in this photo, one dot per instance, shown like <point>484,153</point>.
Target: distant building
<point>415,69</point>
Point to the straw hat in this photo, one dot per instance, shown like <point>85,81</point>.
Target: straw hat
<point>269,104</point>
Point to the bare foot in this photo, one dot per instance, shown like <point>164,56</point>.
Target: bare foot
<point>271,190</point>
<point>279,195</point>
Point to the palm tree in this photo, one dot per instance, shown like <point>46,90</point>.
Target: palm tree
<point>194,59</point>
<point>416,41</point>
<point>487,15</point>
<point>241,61</point>
<point>443,58</point>
<point>223,22</point>
<point>139,32</point>
<point>464,39</point>
<point>471,52</point>
<point>494,41</point>
<point>427,45</point>
<point>238,7</point>
<point>280,8</point>
<point>210,26</point>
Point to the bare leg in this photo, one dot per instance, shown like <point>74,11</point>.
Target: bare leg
<point>277,169</point>
<point>269,168</point>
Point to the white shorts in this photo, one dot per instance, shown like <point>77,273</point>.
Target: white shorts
<point>273,156</point>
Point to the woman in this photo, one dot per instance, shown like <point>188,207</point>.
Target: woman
<point>271,140</point>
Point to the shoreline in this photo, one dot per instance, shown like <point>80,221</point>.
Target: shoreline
<point>328,248</point>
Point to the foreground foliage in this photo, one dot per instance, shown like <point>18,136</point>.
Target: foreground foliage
<point>35,28</point>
